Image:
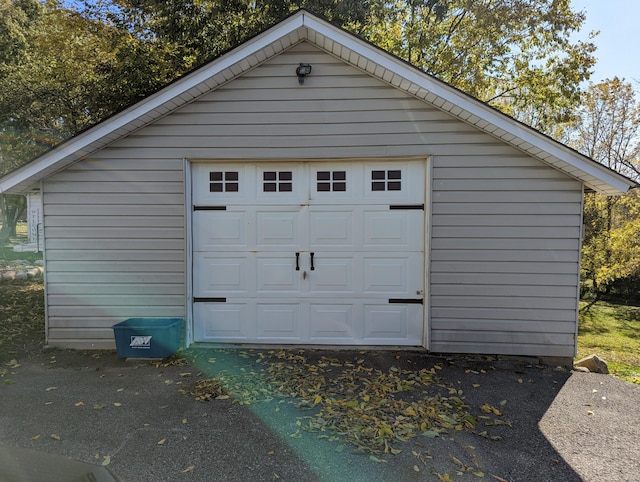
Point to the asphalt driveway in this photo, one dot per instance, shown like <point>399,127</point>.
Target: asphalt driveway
<point>138,419</point>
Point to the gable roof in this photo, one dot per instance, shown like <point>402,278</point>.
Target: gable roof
<point>351,49</point>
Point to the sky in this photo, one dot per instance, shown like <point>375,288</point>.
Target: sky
<point>619,41</point>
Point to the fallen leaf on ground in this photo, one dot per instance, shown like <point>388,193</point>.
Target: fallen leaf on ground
<point>161,442</point>
<point>189,469</point>
<point>55,437</point>
<point>376,459</point>
<point>106,461</point>
<point>50,388</point>
<point>36,437</point>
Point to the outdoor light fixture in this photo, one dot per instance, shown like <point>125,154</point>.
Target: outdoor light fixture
<point>302,71</point>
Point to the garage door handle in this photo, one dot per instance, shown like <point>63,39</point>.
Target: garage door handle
<point>312,268</point>
<point>297,261</point>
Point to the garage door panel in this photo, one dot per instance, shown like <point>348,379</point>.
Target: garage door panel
<point>279,321</point>
<point>394,182</point>
<point>219,229</point>
<point>334,323</point>
<point>397,323</point>
<point>393,229</point>
<point>220,275</point>
<point>334,274</point>
<point>214,184</point>
<point>332,229</point>
<point>398,275</point>
<point>222,321</point>
<point>278,228</point>
<point>277,275</point>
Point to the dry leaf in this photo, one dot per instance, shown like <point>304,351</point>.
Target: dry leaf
<point>161,442</point>
<point>106,461</point>
<point>376,459</point>
<point>79,404</point>
<point>184,420</point>
<point>36,437</point>
<point>189,469</point>
<point>55,437</point>
<point>50,388</point>
<point>416,468</point>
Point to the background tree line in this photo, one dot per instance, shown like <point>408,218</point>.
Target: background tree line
<point>66,66</point>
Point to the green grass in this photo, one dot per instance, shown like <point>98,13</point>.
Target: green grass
<point>7,254</point>
<point>613,333</point>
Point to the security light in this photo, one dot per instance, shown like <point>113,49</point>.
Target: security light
<point>302,71</point>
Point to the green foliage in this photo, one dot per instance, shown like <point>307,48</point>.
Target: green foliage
<point>518,55</point>
<point>611,245</point>
<point>606,128</point>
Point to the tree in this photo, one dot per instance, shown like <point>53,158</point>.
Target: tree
<point>518,55</point>
<point>53,66</point>
<point>607,128</point>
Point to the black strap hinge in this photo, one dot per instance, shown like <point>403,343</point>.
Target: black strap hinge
<point>411,301</point>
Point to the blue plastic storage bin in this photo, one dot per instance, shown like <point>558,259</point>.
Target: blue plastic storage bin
<point>148,337</point>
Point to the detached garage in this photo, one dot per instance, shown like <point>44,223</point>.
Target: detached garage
<point>361,203</point>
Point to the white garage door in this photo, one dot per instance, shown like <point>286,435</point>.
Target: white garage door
<point>309,253</point>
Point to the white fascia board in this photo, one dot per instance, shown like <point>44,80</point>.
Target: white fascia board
<point>48,161</point>
<point>471,108</point>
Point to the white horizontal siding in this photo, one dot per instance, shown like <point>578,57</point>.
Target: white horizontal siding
<point>505,228</point>
<point>115,247</point>
<point>505,255</point>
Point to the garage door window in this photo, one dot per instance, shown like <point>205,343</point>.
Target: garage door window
<point>277,181</point>
<point>223,181</point>
<point>331,181</point>
<point>386,180</point>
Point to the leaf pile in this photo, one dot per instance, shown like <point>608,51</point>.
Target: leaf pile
<point>367,407</point>
<point>208,389</point>
<point>371,408</point>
